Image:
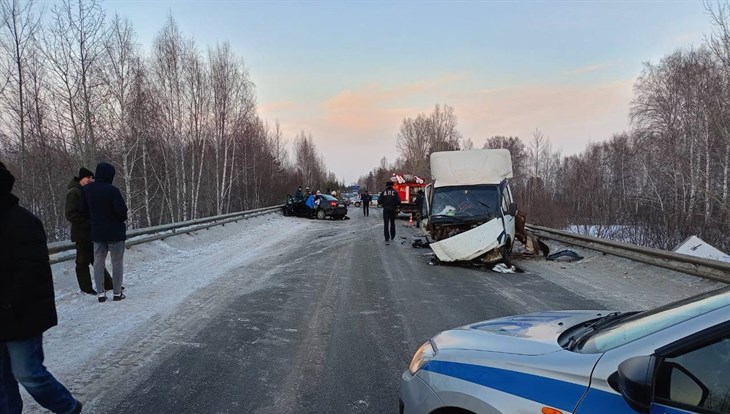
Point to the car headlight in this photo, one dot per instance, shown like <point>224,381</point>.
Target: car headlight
<point>424,353</point>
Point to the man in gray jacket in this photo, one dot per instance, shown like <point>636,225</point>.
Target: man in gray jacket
<point>105,206</point>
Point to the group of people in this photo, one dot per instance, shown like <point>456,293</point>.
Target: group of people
<point>27,308</point>
<point>310,200</point>
<point>97,212</point>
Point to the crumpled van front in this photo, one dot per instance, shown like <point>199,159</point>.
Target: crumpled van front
<point>470,244</point>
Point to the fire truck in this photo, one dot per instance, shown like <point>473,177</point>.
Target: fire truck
<point>407,186</point>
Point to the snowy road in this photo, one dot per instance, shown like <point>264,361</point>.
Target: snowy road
<point>288,315</point>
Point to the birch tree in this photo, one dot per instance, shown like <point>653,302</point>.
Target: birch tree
<point>21,26</point>
<point>75,49</point>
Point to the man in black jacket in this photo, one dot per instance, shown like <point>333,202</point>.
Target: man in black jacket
<point>105,206</point>
<point>27,308</point>
<point>390,200</point>
<point>420,198</point>
<point>81,233</point>
<point>299,195</point>
<point>365,200</point>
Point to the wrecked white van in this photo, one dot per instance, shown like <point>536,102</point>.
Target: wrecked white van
<point>470,209</point>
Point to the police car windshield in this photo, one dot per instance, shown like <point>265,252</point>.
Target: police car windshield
<point>465,201</point>
<point>649,322</point>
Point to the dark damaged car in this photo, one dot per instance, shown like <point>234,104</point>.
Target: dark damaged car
<point>325,206</point>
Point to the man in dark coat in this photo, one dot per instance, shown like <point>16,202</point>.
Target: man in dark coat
<point>299,195</point>
<point>27,308</point>
<point>104,205</point>
<point>390,200</point>
<point>81,233</point>
<point>365,200</point>
<point>419,207</point>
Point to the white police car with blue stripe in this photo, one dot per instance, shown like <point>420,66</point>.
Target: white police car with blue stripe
<point>672,359</point>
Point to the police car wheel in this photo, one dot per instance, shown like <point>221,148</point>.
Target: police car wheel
<point>451,410</point>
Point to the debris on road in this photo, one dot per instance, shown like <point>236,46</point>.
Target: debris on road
<point>694,246</point>
<point>503,268</point>
<point>421,242</point>
<point>565,255</point>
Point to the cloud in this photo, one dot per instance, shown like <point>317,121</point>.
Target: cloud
<point>688,38</point>
<point>355,128</point>
<point>274,107</point>
<point>588,69</point>
<point>366,108</point>
<point>571,115</point>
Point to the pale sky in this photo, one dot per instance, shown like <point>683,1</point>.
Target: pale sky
<point>349,72</point>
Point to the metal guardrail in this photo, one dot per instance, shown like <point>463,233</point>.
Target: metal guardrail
<point>706,268</point>
<point>148,234</point>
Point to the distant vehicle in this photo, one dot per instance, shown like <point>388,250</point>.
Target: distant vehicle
<point>670,360</point>
<point>330,207</point>
<point>355,201</point>
<point>407,186</point>
<point>469,207</point>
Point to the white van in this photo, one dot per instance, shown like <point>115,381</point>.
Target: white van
<point>469,207</point>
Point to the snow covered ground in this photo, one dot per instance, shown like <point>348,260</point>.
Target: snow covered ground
<point>615,282</point>
<point>159,276</point>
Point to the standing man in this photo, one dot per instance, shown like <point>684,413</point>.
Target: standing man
<point>27,308</point>
<point>299,196</point>
<point>310,203</point>
<point>365,200</point>
<point>390,200</point>
<point>81,233</point>
<point>104,205</point>
<point>419,207</point>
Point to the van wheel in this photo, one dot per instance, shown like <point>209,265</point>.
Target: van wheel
<point>321,215</point>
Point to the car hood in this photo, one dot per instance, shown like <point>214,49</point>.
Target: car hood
<point>530,334</point>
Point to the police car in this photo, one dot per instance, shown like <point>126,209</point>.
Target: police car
<point>672,359</point>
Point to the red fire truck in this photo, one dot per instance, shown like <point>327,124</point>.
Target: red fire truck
<point>407,186</point>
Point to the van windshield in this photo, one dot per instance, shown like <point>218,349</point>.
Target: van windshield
<point>465,202</point>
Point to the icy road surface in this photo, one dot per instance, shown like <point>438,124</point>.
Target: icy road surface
<point>288,315</point>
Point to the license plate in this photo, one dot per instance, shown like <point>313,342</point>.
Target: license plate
<point>340,205</point>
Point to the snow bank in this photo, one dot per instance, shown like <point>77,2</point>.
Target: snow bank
<point>159,276</point>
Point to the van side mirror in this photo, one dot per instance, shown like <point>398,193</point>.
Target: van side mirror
<point>635,376</point>
<point>512,209</point>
